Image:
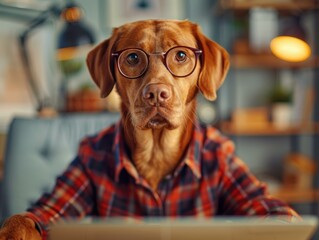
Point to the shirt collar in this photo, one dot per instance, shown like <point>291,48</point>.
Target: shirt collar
<point>191,159</point>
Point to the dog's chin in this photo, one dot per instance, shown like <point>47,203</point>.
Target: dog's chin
<point>156,122</point>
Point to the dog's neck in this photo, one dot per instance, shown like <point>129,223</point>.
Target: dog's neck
<point>157,152</point>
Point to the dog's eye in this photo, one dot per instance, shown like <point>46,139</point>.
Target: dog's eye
<point>132,59</point>
<point>181,56</point>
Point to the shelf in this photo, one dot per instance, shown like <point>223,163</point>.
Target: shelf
<point>280,5</point>
<point>256,129</point>
<point>292,195</point>
<point>257,124</point>
<point>268,61</point>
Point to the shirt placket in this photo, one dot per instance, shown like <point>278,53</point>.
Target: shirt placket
<point>156,207</point>
<point>153,203</point>
<point>163,192</point>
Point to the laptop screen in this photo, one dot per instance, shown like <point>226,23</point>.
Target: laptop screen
<point>185,229</point>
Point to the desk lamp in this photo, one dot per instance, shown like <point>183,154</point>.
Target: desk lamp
<point>74,34</point>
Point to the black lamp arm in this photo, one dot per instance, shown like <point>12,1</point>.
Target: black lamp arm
<point>54,10</point>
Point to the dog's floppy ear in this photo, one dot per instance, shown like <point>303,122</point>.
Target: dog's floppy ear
<point>214,64</point>
<point>100,65</point>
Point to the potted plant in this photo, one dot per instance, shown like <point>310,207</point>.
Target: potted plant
<point>281,106</point>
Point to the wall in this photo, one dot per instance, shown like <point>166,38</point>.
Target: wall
<point>15,97</point>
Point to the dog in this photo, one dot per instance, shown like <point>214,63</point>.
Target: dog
<point>157,67</point>
<point>158,108</point>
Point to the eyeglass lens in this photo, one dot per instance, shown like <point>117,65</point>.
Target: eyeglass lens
<point>180,61</point>
<point>132,62</point>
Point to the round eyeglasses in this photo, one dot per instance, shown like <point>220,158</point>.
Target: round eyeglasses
<point>180,61</point>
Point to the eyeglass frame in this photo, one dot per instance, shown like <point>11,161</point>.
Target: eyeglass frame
<point>197,53</point>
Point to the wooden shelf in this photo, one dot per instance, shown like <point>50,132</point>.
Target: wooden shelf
<point>268,61</point>
<point>280,5</point>
<point>244,58</point>
<point>292,195</point>
<point>255,129</point>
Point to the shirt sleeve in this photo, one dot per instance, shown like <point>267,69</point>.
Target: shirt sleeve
<point>241,193</point>
<point>71,197</point>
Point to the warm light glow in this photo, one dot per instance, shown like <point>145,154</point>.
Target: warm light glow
<point>67,53</point>
<point>290,49</point>
<point>70,53</point>
<point>72,14</point>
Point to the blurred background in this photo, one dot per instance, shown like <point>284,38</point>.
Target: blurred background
<point>268,104</point>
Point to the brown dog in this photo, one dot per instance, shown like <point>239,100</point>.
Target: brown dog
<point>158,107</point>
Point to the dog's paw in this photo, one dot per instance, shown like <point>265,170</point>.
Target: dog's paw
<point>19,227</point>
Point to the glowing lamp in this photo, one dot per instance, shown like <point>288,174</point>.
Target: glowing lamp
<point>291,45</point>
<point>290,49</point>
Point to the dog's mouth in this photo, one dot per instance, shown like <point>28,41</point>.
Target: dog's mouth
<point>157,122</point>
<point>157,117</point>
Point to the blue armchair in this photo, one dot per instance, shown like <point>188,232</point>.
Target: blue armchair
<point>38,150</point>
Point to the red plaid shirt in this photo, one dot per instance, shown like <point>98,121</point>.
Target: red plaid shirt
<point>209,181</point>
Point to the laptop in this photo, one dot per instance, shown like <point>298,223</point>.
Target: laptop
<point>185,229</point>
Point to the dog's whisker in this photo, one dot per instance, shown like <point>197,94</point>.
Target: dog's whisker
<point>189,117</point>
<point>127,119</point>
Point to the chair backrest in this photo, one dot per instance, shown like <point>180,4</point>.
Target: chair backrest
<point>38,150</point>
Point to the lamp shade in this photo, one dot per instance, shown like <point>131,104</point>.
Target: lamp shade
<point>74,34</point>
<point>291,44</point>
<point>74,41</point>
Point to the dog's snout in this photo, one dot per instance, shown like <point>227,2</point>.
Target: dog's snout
<point>154,94</point>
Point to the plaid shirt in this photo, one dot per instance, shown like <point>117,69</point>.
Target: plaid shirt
<point>102,181</point>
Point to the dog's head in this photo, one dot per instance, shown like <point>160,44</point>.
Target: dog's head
<point>158,66</point>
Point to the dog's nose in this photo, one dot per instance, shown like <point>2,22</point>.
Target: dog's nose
<point>155,94</point>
